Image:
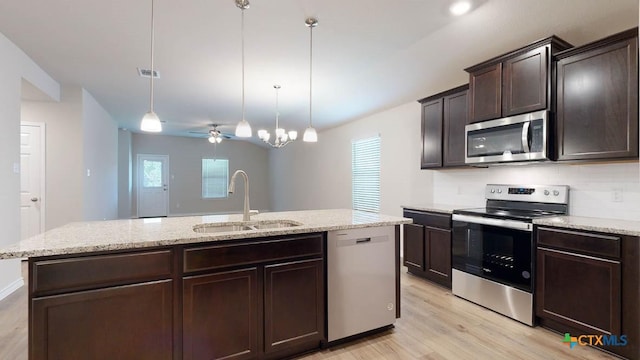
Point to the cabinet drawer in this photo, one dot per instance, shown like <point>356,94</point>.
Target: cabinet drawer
<point>442,221</point>
<point>586,243</point>
<point>87,272</point>
<point>219,256</point>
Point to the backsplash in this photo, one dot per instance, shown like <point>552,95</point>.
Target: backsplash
<point>598,190</point>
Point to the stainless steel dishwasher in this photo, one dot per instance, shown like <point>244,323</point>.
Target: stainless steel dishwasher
<point>361,280</point>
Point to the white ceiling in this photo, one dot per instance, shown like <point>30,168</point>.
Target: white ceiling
<point>369,55</point>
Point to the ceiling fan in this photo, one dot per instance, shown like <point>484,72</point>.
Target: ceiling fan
<point>214,135</point>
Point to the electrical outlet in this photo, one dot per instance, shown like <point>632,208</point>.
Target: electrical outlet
<point>616,195</point>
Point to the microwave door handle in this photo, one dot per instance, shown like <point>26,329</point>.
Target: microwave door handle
<point>525,136</point>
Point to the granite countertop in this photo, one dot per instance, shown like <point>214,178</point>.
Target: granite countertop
<point>612,226</point>
<point>81,237</point>
<point>439,208</point>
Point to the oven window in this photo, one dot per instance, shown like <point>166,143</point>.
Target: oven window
<point>495,253</point>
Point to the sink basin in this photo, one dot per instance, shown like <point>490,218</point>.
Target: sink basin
<point>244,226</point>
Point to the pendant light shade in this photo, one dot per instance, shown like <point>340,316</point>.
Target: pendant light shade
<point>310,134</point>
<point>243,129</point>
<point>150,121</point>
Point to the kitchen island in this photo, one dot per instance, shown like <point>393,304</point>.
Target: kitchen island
<point>157,288</point>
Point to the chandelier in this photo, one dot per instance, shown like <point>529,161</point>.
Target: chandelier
<point>281,137</point>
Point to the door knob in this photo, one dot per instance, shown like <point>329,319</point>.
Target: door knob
<point>34,199</point>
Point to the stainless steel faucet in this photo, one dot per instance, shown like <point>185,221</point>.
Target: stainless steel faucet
<point>246,216</point>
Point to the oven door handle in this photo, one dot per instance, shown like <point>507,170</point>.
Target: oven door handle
<point>511,224</point>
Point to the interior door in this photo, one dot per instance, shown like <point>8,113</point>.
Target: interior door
<point>31,179</point>
<point>153,190</point>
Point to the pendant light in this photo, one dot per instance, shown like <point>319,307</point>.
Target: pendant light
<point>310,134</point>
<point>243,129</point>
<point>150,121</point>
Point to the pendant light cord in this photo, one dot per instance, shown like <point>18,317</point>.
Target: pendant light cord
<point>277,107</point>
<point>152,43</point>
<point>310,72</point>
<point>242,31</point>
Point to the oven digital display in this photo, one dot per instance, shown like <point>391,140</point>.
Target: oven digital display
<point>521,191</point>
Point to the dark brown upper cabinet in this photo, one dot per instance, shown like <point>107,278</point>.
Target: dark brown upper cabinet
<point>514,83</point>
<point>444,116</point>
<point>597,99</point>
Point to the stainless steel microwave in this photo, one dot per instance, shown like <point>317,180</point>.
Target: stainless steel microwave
<point>514,139</point>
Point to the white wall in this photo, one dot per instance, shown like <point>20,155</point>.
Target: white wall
<point>185,162</point>
<point>318,176</point>
<point>124,174</point>
<point>14,66</point>
<point>80,135</point>
<point>64,154</point>
<point>100,138</point>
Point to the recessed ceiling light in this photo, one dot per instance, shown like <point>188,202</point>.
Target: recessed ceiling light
<point>460,7</point>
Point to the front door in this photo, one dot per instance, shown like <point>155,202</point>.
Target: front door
<point>153,191</point>
<point>31,179</point>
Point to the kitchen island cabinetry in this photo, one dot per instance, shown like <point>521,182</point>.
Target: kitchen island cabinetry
<point>193,287</point>
<point>514,83</point>
<point>597,99</point>
<point>249,299</point>
<point>106,306</point>
<point>587,283</point>
<point>427,246</point>
<point>257,299</point>
<point>444,116</point>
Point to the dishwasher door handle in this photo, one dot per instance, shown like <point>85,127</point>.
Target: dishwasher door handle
<point>362,241</point>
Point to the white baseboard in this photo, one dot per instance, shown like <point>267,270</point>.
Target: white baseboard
<point>11,288</point>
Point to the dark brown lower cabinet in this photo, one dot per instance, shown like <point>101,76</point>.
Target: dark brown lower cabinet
<point>587,284</point>
<point>427,246</point>
<point>414,247</point>
<point>293,307</point>
<point>123,322</point>
<point>260,298</point>
<point>593,302</point>
<point>220,315</point>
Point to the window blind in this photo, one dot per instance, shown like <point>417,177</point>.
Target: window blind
<point>215,178</point>
<point>365,174</point>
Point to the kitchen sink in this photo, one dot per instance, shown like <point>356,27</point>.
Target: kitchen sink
<point>244,226</point>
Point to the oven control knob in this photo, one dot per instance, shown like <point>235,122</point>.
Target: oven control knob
<point>546,192</point>
<point>493,191</point>
<point>499,191</point>
<point>556,192</point>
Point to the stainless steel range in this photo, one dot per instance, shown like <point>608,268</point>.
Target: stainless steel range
<point>493,247</point>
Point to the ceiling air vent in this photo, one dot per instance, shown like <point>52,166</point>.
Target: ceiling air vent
<point>147,73</point>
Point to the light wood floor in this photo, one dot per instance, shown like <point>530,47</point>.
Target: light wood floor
<point>435,325</point>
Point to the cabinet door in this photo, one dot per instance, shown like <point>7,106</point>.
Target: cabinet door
<point>124,322</point>
<point>455,118</point>
<point>431,134</point>
<point>438,255</point>
<point>485,89</point>
<point>220,317</point>
<point>597,106</point>
<point>526,82</point>
<point>413,257</point>
<point>582,292</point>
<point>293,307</point>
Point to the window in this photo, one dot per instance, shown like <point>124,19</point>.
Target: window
<point>215,178</point>
<point>152,173</point>
<point>365,174</point>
